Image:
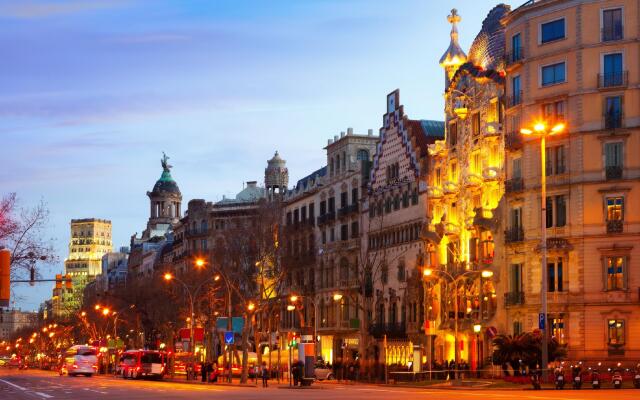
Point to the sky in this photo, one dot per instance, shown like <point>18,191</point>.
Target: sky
<point>93,91</point>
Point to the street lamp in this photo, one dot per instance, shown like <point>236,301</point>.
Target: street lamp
<point>294,299</point>
<point>540,129</point>
<point>477,328</point>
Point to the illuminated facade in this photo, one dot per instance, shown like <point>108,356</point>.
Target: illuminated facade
<point>575,62</point>
<point>465,191</point>
<point>90,241</point>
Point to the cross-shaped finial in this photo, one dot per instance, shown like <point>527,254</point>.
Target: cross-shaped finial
<point>454,17</point>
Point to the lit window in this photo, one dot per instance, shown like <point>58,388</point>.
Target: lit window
<point>616,332</point>
<point>615,208</point>
<point>557,327</point>
<point>615,273</point>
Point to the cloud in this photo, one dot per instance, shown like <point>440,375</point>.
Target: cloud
<point>33,9</point>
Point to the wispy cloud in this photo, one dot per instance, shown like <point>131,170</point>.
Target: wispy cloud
<point>33,9</point>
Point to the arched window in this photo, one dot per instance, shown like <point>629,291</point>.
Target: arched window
<point>344,271</point>
<point>203,226</point>
<point>338,163</point>
<point>362,155</point>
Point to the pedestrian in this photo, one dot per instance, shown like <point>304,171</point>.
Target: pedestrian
<point>265,375</point>
<point>214,373</point>
<point>203,372</point>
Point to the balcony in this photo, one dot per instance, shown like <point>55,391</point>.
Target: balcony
<point>515,56</point>
<point>514,185</point>
<point>514,99</point>
<point>196,232</point>
<point>613,172</point>
<point>613,120</point>
<point>326,218</point>
<point>347,210</point>
<point>613,79</point>
<point>513,298</point>
<point>513,141</point>
<point>514,235</point>
<point>615,226</point>
<point>392,330</point>
<point>611,33</point>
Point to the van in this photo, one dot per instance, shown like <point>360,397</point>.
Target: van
<point>136,364</point>
<point>79,360</point>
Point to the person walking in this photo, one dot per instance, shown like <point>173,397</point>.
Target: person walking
<point>265,375</point>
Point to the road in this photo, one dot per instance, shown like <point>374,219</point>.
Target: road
<point>40,385</point>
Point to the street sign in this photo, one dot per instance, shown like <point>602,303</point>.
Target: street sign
<point>237,324</point>
<point>228,337</point>
<point>541,321</point>
<point>492,331</point>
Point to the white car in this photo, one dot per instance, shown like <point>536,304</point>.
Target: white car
<point>322,373</point>
<point>79,360</point>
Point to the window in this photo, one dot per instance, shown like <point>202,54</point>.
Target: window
<point>516,48</point>
<point>516,218</point>
<point>438,178</point>
<point>517,328</point>
<point>332,236</point>
<point>384,274</point>
<point>552,74</point>
<point>613,112</point>
<point>516,168</point>
<point>556,206</point>
<point>414,196</point>
<point>616,332</point>
<point>615,270</point>
<point>555,160</point>
<point>453,134</point>
<point>453,166</point>
<point>344,232</point>
<point>344,199</point>
<point>615,208</point>
<point>612,25</point>
<point>362,155</point>
<point>554,111</point>
<point>354,196</point>
<point>555,275</point>
<point>354,229</point>
<point>475,124</point>
<point>515,278</point>
<point>612,74</point>
<point>401,271</point>
<point>516,91</point>
<point>613,154</point>
<point>551,31</point>
<point>492,112</point>
<point>556,323</point>
<point>475,163</point>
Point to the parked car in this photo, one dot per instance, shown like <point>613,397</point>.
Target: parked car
<point>323,371</point>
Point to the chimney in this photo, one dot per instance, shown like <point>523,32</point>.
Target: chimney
<point>329,141</point>
<point>335,138</point>
<point>252,184</point>
<point>342,134</point>
<point>349,131</point>
<point>370,132</point>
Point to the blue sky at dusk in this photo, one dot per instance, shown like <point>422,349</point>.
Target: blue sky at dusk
<point>92,92</point>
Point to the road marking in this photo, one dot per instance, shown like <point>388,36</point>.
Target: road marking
<point>46,396</point>
<point>96,391</point>
<point>13,384</point>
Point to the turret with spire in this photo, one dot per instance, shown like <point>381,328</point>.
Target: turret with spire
<point>454,56</point>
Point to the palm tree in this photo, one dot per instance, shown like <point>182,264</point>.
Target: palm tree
<point>523,349</point>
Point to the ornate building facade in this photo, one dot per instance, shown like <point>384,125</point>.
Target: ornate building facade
<point>466,188</point>
<point>575,62</point>
<point>394,215</point>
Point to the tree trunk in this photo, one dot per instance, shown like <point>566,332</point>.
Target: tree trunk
<point>245,355</point>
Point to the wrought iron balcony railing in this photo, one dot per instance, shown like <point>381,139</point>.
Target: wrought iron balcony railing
<point>615,226</point>
<point>613,32</point>
<point>613,79</point>
<point>514,185</point>
<point>514,99</point>
<point>613,172</point>
<point>514,235</point>
<point>513,298</point>
<point>515,56</point>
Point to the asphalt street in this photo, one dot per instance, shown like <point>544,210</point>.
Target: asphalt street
<point>40,385</point>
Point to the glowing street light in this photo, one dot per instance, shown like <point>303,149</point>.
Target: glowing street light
<point>291,307</point>
<point>105,311</point>
<point>251,306</point>
<point>167,276</point>
<point>540,129</point>
<point>199,262</point>
<point>337,297</point>
<point>293,298</point>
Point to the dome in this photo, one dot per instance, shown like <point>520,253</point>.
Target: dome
<point>276,161</point>
<point>166,184</point>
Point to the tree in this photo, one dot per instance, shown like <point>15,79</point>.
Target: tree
<point>22,231</point>
<point>525,349</point>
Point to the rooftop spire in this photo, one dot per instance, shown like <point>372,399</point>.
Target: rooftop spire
<point>454,55</point>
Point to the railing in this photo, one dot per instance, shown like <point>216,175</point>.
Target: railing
<point>326,218</point>
<point>614,226</point>
<point>611,33</point>
<point>613,79</point>
<point>613,120</point>
<point>513,298</point>
<point>196,232</point>
<point>514,99</point>
<point>515,56</point>
<point>392,330</point>
<point>613,172</point>
<point>346,210</point>
<point>514,234</point>
<point>513,141</point>
<point>514,185</point>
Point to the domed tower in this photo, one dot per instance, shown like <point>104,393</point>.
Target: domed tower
<point>165,199</point>
<point>454,56</point>
<point>276,177</point>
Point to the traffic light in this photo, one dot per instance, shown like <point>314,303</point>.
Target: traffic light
<point>68,283</point>
<point>293,339</point>
<point>5,277</point>
<point>58,281</point>
<point>32,276</point>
